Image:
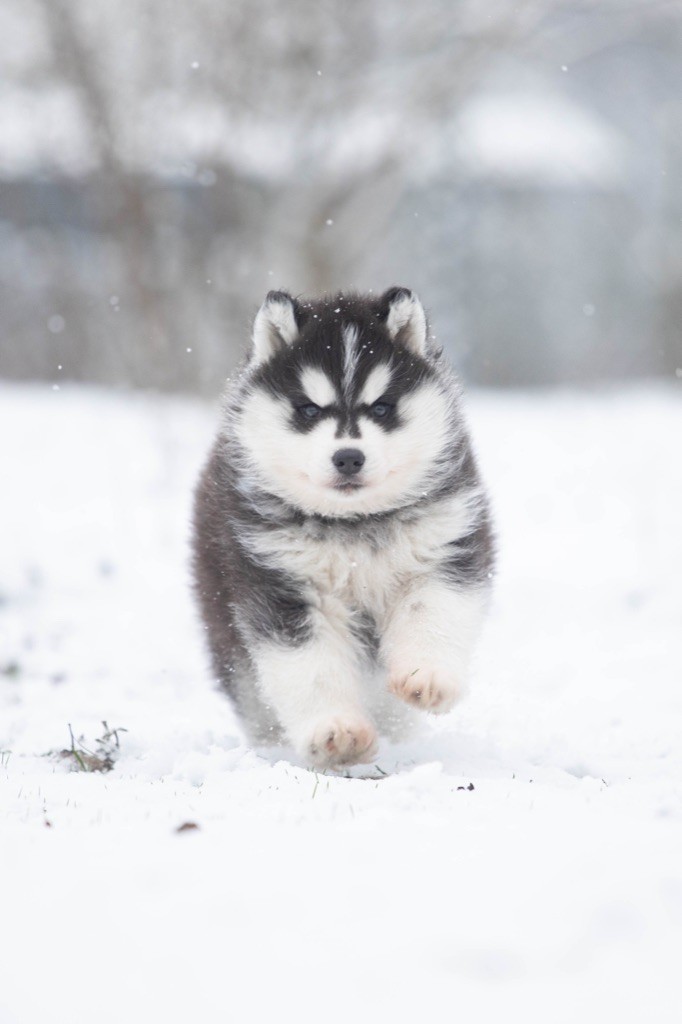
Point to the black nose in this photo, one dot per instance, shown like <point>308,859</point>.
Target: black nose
<point>348,461</point>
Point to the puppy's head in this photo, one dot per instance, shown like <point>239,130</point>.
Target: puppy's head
<point>345,413</point>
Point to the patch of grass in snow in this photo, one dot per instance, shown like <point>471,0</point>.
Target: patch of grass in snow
<point>101,759</point>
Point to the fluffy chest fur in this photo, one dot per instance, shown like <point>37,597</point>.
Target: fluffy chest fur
<point>369,570</point>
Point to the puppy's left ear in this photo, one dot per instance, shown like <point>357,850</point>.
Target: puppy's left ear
<point>405,319</point>
<point>275,325</point>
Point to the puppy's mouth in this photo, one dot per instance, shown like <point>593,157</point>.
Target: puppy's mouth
<point>347,486</point>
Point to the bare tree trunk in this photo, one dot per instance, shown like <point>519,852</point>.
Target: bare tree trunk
<point>134,230</point>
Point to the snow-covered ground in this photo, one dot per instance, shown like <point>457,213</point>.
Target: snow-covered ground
<point>521,860</point>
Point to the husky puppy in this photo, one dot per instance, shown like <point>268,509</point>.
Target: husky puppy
<point>342,538</point>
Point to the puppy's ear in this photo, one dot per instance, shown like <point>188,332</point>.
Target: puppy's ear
<point>405,319</point>
<point>275,326</point>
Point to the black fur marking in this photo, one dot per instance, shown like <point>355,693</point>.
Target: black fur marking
<point>470,559</point>
<point>390,296</point>
<point>366,633</point>
<point>242,600</point>
<point>280,296</point>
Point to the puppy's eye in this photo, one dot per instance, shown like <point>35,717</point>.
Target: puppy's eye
<point>310,411</point>
<point>381,410</point>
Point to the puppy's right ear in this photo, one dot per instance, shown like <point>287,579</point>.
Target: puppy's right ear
<point>405,319</point>
<point>275,326</point>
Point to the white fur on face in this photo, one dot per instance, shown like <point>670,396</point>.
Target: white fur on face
<point>298,466</point>
<point>318,387</point>
<point>377,381</point>
<point>350,356</point>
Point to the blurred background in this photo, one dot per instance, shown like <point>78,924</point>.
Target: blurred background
<point>163,164</point>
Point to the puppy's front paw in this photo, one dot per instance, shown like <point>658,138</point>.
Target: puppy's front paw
<point>432,689</point>
<point>343,739</point>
